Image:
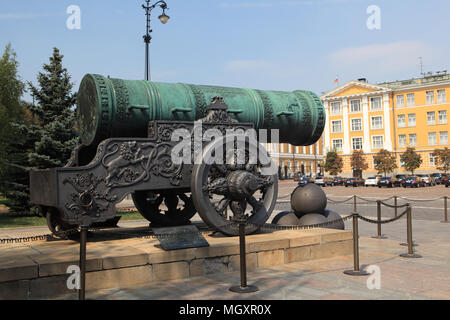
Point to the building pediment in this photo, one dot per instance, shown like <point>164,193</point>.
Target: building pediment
<point>355,89</point>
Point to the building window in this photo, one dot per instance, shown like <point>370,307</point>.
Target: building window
<point>375,104</point>
<point>411,120</point>
<point>355,105</point>
<point>377,142</point>
<point>433,160</point>
<point>413,140</point>
<point>356,124</point>
<point>431,118</point>
<point>430,97</point>
<point>442,117</point>
<point>335,108</point>
<point>337,144</point>
<point>441,96</point>
<point>401,120</point>
<point>357,143</point>
<point>400,101</point>
<point>432,138</point>
<point>336,126</point>
<point>402,141</point>
<point>377,122</point>
<point>411,100</point>
<point>443,138</point>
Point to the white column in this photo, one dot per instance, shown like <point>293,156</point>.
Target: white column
<point>327,127</point>
<point>366,125</point>
<point>387,123</point>
<point>346,147</point>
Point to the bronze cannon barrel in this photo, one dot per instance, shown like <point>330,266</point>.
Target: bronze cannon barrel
<point>110,108</point>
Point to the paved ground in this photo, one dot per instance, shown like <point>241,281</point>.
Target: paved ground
<point>425,278</point>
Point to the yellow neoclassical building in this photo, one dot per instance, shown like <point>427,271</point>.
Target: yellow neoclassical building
<point>392,116</point>
<point>306,160</point>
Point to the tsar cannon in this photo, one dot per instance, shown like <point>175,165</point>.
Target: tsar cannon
<point>128,147</point>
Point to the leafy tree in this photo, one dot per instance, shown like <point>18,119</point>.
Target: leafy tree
<point>358,162</point>
<point>46,137</point>
<point>443,157</point>
<point>56,134</point>
<point>11,110</point>
<point>411,160</point>
<point>385,162</point>
<point>333,163</point>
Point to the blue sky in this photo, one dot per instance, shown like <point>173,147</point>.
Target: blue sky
<point>268,44</point>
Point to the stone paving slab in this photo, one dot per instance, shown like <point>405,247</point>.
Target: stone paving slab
<point>323,279</point>
<point>122,257</point>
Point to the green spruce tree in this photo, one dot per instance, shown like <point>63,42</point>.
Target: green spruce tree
<point>56,134</point>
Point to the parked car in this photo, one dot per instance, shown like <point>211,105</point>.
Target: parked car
<point>371,181</point>
<point>354,182</point>
<point>338,181</point>
<point>323,181</point>
<point>388,182</point>
<point>303,181</point>
<point>437,177</point>
<point>401,178</point>
<point>427,179</point>
<point>445,180</point>
<point>414,182</point>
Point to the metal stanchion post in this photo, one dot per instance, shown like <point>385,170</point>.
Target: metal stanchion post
<point>395,204</point>
<point>243,288</point>
<point>410,253</point>
<point>83,240</point>
<point>406,244</point>
<point>445,210</point>
<point>379,235</point>
<point>354,203</point>
<point>356,271</point>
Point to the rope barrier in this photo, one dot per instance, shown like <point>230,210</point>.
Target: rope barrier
<point>370,200</point>
<point>393,206</point>
<point>339,201</point>
<point>382,221</point>
<point>421,200</point>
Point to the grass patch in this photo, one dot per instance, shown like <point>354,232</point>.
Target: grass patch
<point>11,221</point>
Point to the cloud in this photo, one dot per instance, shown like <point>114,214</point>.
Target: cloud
<point>381,58</point>
<point>260,4</point>
<point>256,70</point>
<point>247,65</point>
<point>21,16</point>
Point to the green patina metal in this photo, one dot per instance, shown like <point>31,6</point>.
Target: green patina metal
<point>122,108</point>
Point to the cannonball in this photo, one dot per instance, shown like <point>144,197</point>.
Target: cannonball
<point>308,199</point>
<point>333,216</point>
<point>285,218</point>
<point>311,219</point>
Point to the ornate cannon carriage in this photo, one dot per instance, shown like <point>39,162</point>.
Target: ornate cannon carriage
<point>128,147</point>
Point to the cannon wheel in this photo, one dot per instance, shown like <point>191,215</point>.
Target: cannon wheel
<point>242,188</point>
<point>54,223</point>
<point>148,203</point>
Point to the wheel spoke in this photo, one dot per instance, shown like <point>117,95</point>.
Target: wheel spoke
<point>222,205</point>
<point>255,204</point>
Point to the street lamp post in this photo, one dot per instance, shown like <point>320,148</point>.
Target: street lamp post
<point>147,37</point>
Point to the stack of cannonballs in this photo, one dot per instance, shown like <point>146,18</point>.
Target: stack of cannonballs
<point>308,205</point>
